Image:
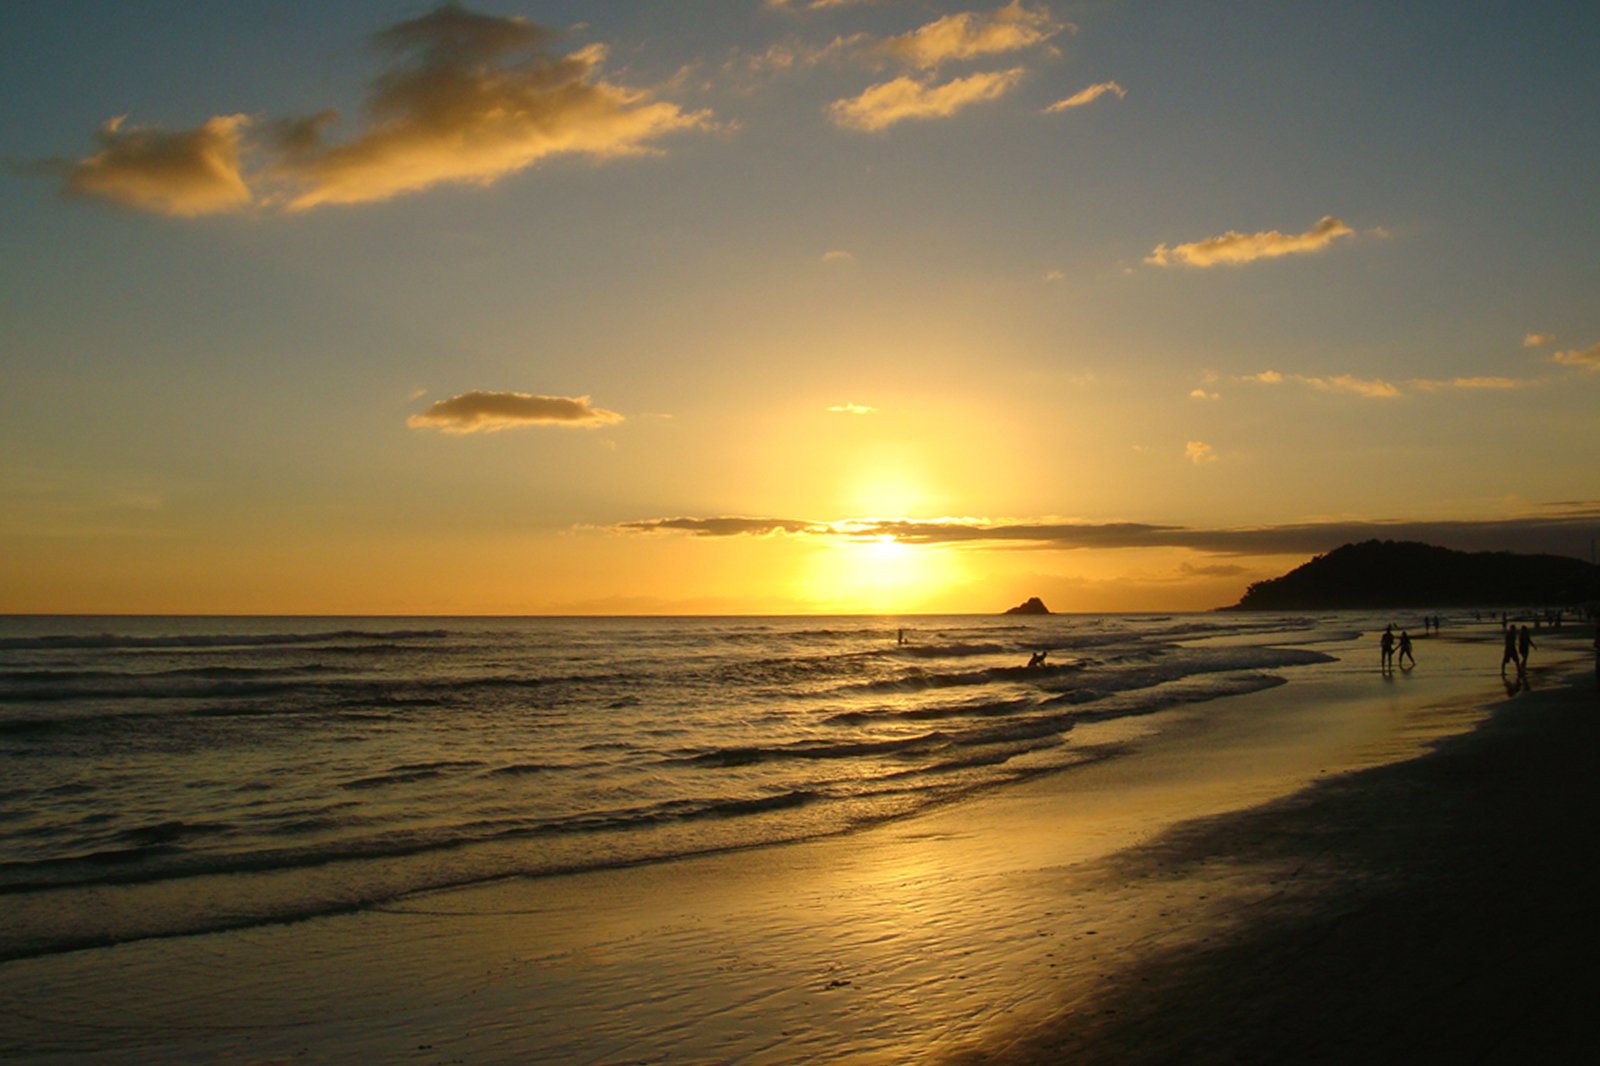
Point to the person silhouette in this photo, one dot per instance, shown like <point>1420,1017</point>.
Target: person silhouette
<point>1405,649</point>
<point>1524,642</point>
<point>1386,647</point>
<point>1510,653</point>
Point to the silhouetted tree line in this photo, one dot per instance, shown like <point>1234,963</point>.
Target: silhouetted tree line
<point>1391,573</point>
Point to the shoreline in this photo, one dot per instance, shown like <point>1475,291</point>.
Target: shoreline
<point>1434,909</point>
<point>993,929</point>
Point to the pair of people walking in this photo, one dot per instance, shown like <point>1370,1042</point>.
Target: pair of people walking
<point>1518,643</point>
<point>1387,645</point>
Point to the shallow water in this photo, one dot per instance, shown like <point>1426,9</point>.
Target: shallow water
<point>176,775</point>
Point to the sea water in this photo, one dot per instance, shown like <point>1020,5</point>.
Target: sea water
<point>164,776</point>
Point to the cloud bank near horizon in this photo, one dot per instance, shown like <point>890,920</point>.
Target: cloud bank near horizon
<point>1565,529</point>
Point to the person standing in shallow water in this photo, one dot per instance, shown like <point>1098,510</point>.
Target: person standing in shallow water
<point>1405,649</point>
<point>1524,642</point>
<point>1510,654</point>
<point>1386,648</point>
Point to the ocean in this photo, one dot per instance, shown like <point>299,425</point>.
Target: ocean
<point>171,776</point>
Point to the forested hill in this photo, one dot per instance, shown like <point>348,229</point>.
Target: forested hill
<point>1407,574</point>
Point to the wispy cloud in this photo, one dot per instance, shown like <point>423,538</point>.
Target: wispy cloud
<point>1484,383</point>
<point>181,173</point>
<point>1372,388</point>
<point>1379,389</point>
<point>904,98</point>
<point>723,527</point>
<point>1562,529</point>
<point>466,98</point>
<point>1088,96</point>
<point>489,412</point>
<point>970,35</point>
<point>1537,340</point>
<point>1199,453</point>
<point>852,409</point>
<point>816,5</point>
<point>1588,359</point>
<point>1238,248</point>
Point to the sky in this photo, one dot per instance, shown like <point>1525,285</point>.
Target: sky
<point>748,306</point>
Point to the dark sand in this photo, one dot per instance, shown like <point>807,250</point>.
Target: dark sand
<point>1445,909</point>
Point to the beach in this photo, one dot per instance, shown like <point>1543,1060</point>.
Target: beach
<point>1306,872</point>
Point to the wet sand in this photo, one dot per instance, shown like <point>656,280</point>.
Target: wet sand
<point>1441,909</point>
<point>1264,882</point>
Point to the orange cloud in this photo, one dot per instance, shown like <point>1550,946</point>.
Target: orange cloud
<point>1588,359</point>
<point>1088,96</point>
<point>1198,452</point>
<point>1492,383</point>
<point>894,101</point>
<point>489,412</point>
<point>182,173</point>
<point>1237,248</point>
<point>1377,388</point>
<point>814,5</point>
<point>469,99</point>
<point>1370,387</point>
<point>969,34</point>
<point>1536,340</point>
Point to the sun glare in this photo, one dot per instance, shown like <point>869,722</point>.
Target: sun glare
<point>878,574</point>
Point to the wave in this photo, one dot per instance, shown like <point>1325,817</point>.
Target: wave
<point>949,651</point>
<point>221,683</point>
<point>981,709</point>
<point>212,640</point>
<point>163,857</point>
<point>746,755</point>
<point>406,773</point>
<point>519,769</point>
<point>918,679</point>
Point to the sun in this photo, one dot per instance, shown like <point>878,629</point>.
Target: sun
<point>878,575</point>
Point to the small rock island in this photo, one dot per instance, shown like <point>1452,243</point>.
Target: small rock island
<point>1032,605</point>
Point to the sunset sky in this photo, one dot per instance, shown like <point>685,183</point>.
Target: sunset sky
<point>752,306</point>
